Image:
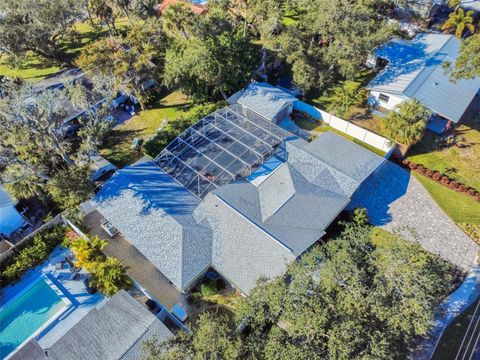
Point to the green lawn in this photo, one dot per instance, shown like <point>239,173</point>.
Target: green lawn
<point>309,126</point>
<point>461,164</point>
<point>460,207</point>
<point>453,335</point>
<point>116,147</point>
<point>35,68</point>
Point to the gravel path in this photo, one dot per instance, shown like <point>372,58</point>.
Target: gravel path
<point>396,201</point>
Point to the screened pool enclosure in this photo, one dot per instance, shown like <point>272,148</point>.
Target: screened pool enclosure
<point>222,147</point>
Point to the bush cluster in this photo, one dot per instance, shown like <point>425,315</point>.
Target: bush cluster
<point>441,178</point>
<point>32,253</point>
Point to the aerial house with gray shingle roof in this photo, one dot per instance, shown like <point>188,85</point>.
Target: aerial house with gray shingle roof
<point>234,192</point>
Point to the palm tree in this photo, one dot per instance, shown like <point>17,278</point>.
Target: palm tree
<point>110,276</point>
<point>407,123</point>
<point>458,21</point>
<point>88,253</point>
<point>178,19</point>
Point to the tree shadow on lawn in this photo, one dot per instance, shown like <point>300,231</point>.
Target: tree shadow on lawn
<point>116,147</point>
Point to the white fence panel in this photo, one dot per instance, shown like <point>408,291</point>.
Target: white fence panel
<point>346,127</point>
<point>338,124</point>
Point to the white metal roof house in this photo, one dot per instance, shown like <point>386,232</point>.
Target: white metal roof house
<point>234,192</point>
<point>415,71</point>
<point>10,219</point>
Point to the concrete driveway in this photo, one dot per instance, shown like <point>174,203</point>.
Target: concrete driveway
<point>397,202</point>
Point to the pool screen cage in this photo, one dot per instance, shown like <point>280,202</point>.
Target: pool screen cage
<point>224,146</point>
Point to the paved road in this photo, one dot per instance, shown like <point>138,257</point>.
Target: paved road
<point>396,201</point>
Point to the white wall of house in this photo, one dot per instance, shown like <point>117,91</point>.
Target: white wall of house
<point>385,100</point>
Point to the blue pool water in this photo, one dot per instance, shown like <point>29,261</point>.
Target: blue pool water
<point>26,314</point>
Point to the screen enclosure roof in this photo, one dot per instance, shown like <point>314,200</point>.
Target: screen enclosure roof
<point>225,146</point>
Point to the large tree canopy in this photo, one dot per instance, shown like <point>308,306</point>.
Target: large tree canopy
<point>359,296</point>
<point>133,60</point>
<point>38,26</point>
<point>208,55</point>
<point>330,39</point>
<point>35,155</point>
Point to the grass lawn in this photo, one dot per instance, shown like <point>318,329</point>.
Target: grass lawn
<point>452,338</point>
<point>460,207</point>
<point>35,68</point>
<point>309,126</point>
<point>116,147</point>
<point>461,164</point>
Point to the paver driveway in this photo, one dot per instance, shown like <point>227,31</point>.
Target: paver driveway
<point>397,201</point>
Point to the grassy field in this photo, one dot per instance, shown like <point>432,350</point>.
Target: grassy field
<point>459,163</point>
<point>116,147</point>
<point>309,126</point>
<point>35,68</point>
<point>460,207</point>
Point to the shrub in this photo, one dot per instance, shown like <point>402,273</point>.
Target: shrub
<point>428,173</point>
<point>445,180</point>
<point>471,192</point>
<point>412,166</point>
<point>406,162</point>
<point>360,216</point>
<point>208,288</point>
<point>31,255</point>
<point>462,188</point>
<point>436,176</point>
<point>453,185</point>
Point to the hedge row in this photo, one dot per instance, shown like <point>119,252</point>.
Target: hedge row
<point>32,253</point>
<point>442,179</point>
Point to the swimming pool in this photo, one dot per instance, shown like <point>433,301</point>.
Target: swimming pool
<point>22,317</point>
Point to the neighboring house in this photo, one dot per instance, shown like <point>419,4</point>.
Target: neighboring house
<point>235,192</point>
<point>415,70</point>
<point>10,219</point>
<point>114,330</point>
<point>198,7</point>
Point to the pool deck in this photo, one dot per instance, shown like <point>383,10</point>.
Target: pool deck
<point>78,302</point>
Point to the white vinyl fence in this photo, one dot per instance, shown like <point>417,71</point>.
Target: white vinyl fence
<point>346,127</point>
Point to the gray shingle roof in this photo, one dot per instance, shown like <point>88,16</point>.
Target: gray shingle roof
<point>246,229</point>
<point>265,99</point>
<point>301,213</point>
<point>415,71</point>
<point>108,332</point>
<point>155,214</point>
